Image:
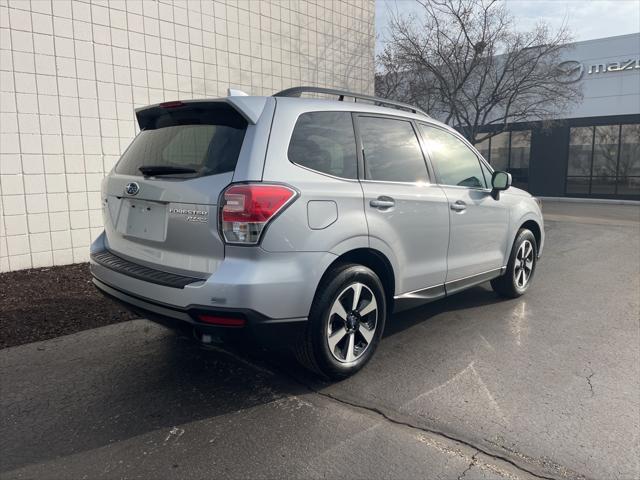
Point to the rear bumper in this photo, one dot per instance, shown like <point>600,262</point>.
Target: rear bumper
<point>262,287</point>
<point>186,320</point>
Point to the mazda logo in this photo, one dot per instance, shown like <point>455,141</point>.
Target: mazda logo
<point>132,188</point>
<point>569,71</point>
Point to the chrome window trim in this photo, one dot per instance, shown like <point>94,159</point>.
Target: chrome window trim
<point>413,184</point>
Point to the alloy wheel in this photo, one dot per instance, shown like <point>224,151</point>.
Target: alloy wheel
<point>353,320</point>
<point>523,267</point>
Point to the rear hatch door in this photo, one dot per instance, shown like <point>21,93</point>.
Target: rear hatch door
<point>160,201</point>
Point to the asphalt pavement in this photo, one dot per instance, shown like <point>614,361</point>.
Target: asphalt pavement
<point>545,386</point>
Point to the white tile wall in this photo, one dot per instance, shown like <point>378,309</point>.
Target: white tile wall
<point>72,72</point>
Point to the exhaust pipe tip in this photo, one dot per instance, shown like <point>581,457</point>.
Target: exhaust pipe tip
<point>206,338</point>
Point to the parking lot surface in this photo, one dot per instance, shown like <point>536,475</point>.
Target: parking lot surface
<point>469,387</point>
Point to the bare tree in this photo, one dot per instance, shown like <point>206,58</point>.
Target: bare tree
<point>466,63</point>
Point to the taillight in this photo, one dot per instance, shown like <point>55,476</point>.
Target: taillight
<point>247,209</point>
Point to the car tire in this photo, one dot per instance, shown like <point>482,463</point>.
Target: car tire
<point>339,339</point>
<point>521,267</point>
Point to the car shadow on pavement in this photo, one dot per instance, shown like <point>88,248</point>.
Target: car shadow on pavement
<point>102,386</point>
<point>474,297</point>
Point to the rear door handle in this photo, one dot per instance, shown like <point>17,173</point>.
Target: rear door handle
<point>459,206</point>
<point>383,202</point>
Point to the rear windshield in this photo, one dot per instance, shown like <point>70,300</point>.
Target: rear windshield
<point>205,138</point>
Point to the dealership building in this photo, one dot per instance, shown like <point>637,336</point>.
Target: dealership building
<point>593,149</point>
<point>72,72</point>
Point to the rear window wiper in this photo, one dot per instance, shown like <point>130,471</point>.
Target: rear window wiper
<point>155,170</point>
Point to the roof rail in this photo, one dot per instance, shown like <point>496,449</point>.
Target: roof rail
<point>297,91</point>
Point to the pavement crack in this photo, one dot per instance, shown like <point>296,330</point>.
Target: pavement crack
<point>389,418</point>
<point>428,430</point>
<point>474,460</point>
<point>588,377</point>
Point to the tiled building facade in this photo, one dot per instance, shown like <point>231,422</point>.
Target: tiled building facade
<point>72,72</point>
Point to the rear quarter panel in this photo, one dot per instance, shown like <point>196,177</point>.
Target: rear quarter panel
<point>292,230</point>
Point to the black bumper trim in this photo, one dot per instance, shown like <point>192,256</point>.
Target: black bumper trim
<point>269,332</point>
<point>193,311</point>
<point>125,267</point>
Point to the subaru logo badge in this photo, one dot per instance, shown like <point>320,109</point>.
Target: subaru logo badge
<point>132,188</point>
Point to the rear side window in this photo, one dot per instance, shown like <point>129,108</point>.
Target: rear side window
<point>325,142</point>
<point>455,163</point>
<point>391,150</point>
<point>202,139</point>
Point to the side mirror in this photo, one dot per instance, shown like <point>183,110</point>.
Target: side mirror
<point>499,181</point>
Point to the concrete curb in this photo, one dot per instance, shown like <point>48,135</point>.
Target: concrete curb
<point>609,201</point>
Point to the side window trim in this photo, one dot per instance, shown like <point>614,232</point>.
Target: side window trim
<point>456,135</point>
<point>361,155</point>
<point>431,170</point>
<point>318,172</point>
<point>359,146</point>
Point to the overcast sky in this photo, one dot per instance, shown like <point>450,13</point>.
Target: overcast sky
<point>587,19</point>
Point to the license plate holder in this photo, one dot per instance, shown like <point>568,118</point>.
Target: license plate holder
<point>143,219</point>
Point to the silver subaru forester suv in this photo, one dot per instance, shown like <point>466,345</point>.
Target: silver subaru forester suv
<point>323,217</point>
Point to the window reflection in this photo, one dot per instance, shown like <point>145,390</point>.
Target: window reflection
<point>605,151</point>
<point>509,151</point>
<point>483,148</point>
<point>325,142</point>
<point>519,157</point>
<point>578,185</point>
<point>455,162</point>
<point>500,151</point>
<point>604,160</point>
<point>580,145</point>
<point>629,151</point>
<point>391,150</point>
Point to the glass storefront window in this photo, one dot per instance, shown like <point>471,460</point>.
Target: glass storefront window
<point>499,151</point>
<point>629,163</point>
<point>519,157</point>
<point>604,160</point>
<point>578,185</point>
<point>509,151</point>
<point>483,148</point>
<point>605,151</point>
<point>629,186</point>
<point>629,151</point>
<point>580,145</point>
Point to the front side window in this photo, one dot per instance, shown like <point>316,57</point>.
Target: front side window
<point>455,163</point>
<point>392,152</point>
<point>325,142</point>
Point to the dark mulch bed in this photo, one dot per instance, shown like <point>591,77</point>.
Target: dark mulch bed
<point>43,303</point>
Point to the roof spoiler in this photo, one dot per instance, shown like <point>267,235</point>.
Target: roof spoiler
<point>249,107</point>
